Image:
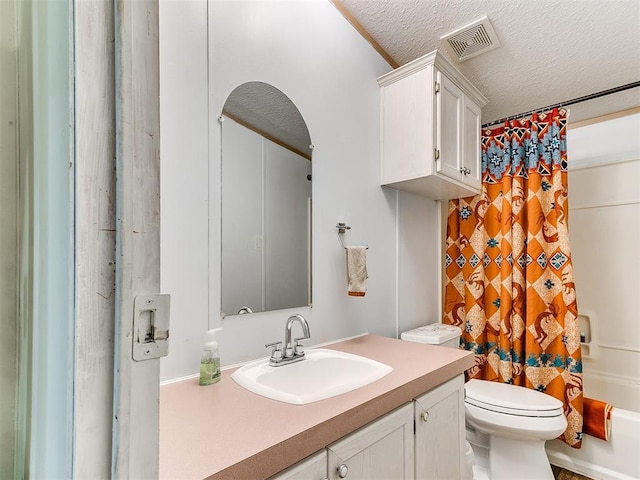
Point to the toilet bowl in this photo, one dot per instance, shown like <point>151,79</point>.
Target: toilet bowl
<point>507,425</point>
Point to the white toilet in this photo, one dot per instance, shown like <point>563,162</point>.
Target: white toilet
<point>507,426</point>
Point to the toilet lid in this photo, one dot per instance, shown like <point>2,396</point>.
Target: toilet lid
<point>511,399</point>
<point>434,333</point>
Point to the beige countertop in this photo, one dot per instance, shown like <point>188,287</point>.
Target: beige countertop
<point>223,431</point>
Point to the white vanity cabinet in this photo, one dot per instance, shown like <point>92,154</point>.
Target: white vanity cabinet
<point>311,468</point>
<point>430,129</point>
<point>383,449</point>
<point>440,431</point>
<point>421,440</point>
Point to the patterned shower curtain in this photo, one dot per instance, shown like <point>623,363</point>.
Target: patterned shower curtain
<point>509,279</point>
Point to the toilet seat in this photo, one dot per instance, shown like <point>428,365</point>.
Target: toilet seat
<point>511,400</point>
<point>508,426</point>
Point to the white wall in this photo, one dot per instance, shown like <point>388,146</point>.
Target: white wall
<point>184,190</point>
<point>308,51</point>
<point>604,227</point>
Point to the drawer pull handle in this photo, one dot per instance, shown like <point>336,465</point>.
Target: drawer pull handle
<point>343,470</point>
<point>425,416</point>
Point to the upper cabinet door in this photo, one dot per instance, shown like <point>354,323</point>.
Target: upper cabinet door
<point>450,100</point>
<point>407,123</point>
<point>471,130</point>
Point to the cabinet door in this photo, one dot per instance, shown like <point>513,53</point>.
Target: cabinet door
<point>440,431</point>
<point>311,468</point>
<point>471,129</point>
<point>381,450</point>
<point>407,134</point>
<point>450,100</point>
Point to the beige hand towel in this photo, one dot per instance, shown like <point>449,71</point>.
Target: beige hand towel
<point>356,271</point>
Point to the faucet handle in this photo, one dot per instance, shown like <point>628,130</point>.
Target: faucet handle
<point>298,347</point>
<point>276,353</point>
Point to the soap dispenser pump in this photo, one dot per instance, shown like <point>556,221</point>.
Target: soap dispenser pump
<point>210,360</point>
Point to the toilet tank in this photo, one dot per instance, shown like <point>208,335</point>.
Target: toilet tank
<point>434,334</point>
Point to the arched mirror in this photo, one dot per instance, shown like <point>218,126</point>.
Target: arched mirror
<point>266,202</point>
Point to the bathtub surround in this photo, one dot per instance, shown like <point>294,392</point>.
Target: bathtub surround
<point>605,211</point>
<point>604,173</point>
<point>509,283</point>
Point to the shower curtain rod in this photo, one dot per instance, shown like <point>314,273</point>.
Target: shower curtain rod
<point>566,103</point>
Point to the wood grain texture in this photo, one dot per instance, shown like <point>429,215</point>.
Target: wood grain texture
<point>95,237</point>
<point>365,34</point>
<point>138,232</point>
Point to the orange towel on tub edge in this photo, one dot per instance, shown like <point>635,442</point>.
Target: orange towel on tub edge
<point>597,418</point>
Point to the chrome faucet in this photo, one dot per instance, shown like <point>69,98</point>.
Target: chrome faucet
<point>297,349</point>
<point>291,353</point>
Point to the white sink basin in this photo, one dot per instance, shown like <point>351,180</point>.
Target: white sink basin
<point>323,374</point>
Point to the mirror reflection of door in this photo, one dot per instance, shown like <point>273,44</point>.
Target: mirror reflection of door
<point>266,202</point>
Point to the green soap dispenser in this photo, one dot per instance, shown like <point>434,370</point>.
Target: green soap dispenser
<point>210,361</point>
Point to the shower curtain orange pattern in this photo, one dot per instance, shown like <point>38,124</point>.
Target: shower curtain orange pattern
<point>509,280</point>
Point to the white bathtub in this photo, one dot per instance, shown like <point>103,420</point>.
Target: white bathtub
<point>618,458</point>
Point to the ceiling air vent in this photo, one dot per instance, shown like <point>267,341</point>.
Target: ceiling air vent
<point>473,39</point>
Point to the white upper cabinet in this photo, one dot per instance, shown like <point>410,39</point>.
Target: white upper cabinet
<point>430,129</point>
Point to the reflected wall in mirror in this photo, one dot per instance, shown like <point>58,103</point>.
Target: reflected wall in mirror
<point>266,202</point>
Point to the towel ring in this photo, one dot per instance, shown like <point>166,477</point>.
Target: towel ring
<point>341,228</point>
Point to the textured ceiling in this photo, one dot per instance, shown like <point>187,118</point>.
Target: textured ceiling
<point>552,50</point>
<point>267,110</point>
